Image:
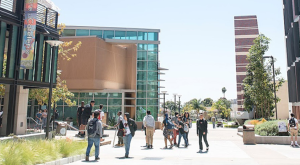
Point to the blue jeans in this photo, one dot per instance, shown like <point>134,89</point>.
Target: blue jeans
<point>127,141</point>
<point>96,142</point>
<point>214,124</point>
<point>184,138</point>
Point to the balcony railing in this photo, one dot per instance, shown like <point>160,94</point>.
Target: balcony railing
<point>45,15</point>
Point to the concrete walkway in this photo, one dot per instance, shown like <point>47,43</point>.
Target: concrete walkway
<point>226,147</point>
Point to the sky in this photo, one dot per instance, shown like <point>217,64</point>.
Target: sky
<point>197,36</point>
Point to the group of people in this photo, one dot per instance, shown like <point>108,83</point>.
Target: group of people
<point>41,118</point>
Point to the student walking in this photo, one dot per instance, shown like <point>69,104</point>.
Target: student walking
<point>175,130</point>
<point>120,127</point>
<point>85,117</point>
<point>149,123</point>
<point>182,133</point>
<point>129,130</point>
<point>202,132</point>
<point>94,131</point>
<point>187,121</point>
<point>293,127</point>
<point>213,120</point>
<point>167,127</point>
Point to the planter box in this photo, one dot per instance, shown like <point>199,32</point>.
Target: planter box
<point>283,140</point>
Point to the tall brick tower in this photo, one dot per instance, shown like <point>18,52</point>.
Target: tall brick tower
<point>246,30</point>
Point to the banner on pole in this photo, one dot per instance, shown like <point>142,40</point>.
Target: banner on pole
<point>30,11</point>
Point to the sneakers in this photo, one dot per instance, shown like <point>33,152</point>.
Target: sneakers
<point>151,146</point>
<point>296,145</point>
<point>87,158</point>
<point>171,146</point>
<point>126,156</point>
<point>207,149</point>
<point>200,151</point>
<point>97,158</point>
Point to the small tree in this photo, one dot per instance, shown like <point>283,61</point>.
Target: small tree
<point>223,107</point>
<point>197,105</point>
<point>224,91</point>
<point>208,102</point>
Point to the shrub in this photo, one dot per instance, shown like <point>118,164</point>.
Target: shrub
<point>231,126</point>
<point>269,128</point>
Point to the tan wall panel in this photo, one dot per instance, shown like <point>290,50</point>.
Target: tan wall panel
<point>283,104</point>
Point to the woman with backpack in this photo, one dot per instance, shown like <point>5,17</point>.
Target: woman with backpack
<point>129,130</point>
<point>182,132</point>
<point>167,127</point>
<point>187,121</point>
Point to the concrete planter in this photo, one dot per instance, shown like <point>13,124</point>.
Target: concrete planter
<point>66,160</point>
<point>283,140</point>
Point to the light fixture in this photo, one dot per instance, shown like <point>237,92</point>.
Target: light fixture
<point>54,42</point>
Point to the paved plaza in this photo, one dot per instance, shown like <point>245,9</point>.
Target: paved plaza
<point>226,147</point>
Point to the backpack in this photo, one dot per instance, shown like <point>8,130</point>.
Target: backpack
<point>92,127</point>
<point>169,124</point>
<point>292,122</point>
<point>186,128</point>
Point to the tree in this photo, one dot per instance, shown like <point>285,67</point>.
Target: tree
<point>223,106</point>
<point>258,84</point>
<point>224,91</point>
<point>197,105</point>
<point>208,102</point>
<point>171,106</point>
<point>187,107</point>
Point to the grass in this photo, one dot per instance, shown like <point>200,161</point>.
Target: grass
<point>230,126</point>
<point>26,152</point>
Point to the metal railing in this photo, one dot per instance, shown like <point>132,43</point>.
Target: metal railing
<point>36,125</point>
<point>9,5</point>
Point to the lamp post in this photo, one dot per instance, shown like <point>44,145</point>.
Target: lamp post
<point>274,83</point>
<point>164,93</point>
<point>54,44</point>
<point>179,104</point>
<point>175,94</point>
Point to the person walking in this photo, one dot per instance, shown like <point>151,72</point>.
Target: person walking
<point>79,113</point>
<point>293,127</point>
<point>129,131</point>
<point>38,118</point>
<point>44,118</point>
<point>101,116</point>
<point>149,124</point>
<point>85,117</point>
<point>202,132</point>
<point>182,133</point>
<point>120,128</point>
<point>94,131</point>
<point>167,127</point>
<point>213,120</point>
<point>187,121</point>
<point>175,130</point>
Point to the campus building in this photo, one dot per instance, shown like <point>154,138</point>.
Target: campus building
<point>246,30</point>
<point>25,57</point>
<point>291,13</point>
<point>116,67</point>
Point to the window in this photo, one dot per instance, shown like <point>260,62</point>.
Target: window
<point>152,65</point>
<point>152,76</point>
<point>141,55</point>
<point>141,85</point>
<point>142,76</point>
<point>152,95</point>
<point>142,36</point>
<point>131,35</point>
<point>108,34</point>
<point>141,94</point>
<point>152,47</point>
<point>115,102</point>
<point>81,32</point>
<point>68,32</point>
<point>141,65</point>
<point>100,95</point>
<point>120,35</point>
<point>152,102</point>
<point>141,102</point>
<point>89,94</point>
<point>96,33</point>
<point>142,47</point>
<point>153,36</point>
<point>100,101</point>
<point>152,86</point>
<point>115,95</point>
<point>152,56</point>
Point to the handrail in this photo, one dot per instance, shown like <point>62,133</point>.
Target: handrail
<point>32,119</point>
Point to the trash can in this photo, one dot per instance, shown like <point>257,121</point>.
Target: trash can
<point>61,129</point>
<point>248,134</point>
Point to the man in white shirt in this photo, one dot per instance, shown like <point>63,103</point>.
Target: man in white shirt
<point>149,124</point>
<point>293,127</point>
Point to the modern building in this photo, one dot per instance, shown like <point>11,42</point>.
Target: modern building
<point>246,30</point>
<point>116,67</point>
<point>25,57</point>
<point>291,11</point>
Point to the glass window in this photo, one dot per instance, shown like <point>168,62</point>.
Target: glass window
<point>90,94</point>
<point>82,32</point>
<point>140,101</point>
<point>140,113</point>
<point>141,76</point>
<point>120,35</point>
<point>108,34</point>
<point>141,55</point>
<point>60,102</point>
<point>152,95</point>
<point>112,114</point>
<point>153,36</point>
<point>115,95</point>
<point>152,56</point>
<point>96,33</point>
<point>75,94</point>
<point>142,36</point>
<point>142,65</point>
<point>153,110</point>
<point>131,35</point>
<point>152,47</point>
<point>68,32</point>
<point>152,102</point>
<point>100,101</point>
<point>142,47</point>
<point>141,94</point>
<point>152,76</point>
<point>152,65</point>
<point>141,85</point>
<point>100,95</point>
<point>152,86</point>
<point>115,102</point>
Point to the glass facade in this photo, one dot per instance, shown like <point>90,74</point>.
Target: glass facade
<point>147,68</point>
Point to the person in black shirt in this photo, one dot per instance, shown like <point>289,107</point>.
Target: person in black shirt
<point>86,114</point>
<point>79,113</point>
<point>202,132</point>
<point>182,133</point>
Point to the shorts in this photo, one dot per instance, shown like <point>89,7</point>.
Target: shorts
<point>294,132</point>
<point>84,120</point>
<point>167,133</point>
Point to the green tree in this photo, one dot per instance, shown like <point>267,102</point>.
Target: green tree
<point>224,91</point>
<point>197,105</point>
<point>258,84</point>
<point>208,102</point>
<point>223,106</point>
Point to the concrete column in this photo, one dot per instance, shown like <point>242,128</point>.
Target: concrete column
<point>20,123</point>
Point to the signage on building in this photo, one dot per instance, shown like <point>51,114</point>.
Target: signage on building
<point>30,12</point>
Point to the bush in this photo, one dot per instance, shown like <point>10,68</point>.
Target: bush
<point>231,126</point>
<point>269,128</point>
